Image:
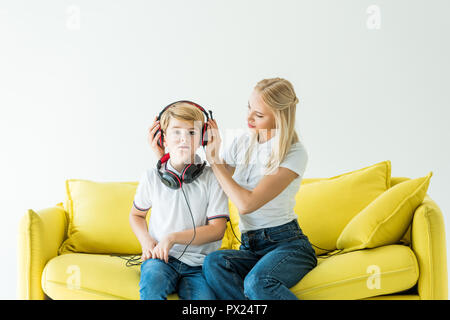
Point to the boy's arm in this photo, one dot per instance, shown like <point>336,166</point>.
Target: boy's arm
<point>139,227</point>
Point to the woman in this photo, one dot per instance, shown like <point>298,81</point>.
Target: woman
<point>261,173</point>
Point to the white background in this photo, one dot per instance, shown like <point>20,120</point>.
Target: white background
<point>81,81</point>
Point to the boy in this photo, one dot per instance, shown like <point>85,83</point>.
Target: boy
<point>172,249</point>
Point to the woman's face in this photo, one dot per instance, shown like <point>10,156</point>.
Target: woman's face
<point>260,117</point>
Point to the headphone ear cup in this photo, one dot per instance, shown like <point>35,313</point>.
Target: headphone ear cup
<point>171,180</point>
<point>188,173</point>
<point>192,172</point>
<point>161,138</point>
<point>168,177</point>
<point>204,140</point>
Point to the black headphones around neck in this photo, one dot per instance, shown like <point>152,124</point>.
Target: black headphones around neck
<point>172,180</point>
<point>190,171</point>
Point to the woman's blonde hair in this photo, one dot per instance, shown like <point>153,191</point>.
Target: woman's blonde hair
<point>279,95</point>
<point>181,111</point>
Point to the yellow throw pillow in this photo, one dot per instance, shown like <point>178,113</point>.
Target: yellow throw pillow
<point>325,206</point>
<point>386,219</point>
<point>99,217</point>
<point>236,232</point>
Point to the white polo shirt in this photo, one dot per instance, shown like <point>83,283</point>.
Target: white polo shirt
<point>279,210</point>
<point>170,213</point>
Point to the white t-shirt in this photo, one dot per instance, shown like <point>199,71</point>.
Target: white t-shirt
<point>279,210</point>
<point>170,213</point>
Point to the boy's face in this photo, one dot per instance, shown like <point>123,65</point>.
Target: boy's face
<point>182,138</point>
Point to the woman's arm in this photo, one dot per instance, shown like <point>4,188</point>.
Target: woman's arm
<point>246,200</point>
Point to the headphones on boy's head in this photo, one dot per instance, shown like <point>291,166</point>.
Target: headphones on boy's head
<point>204,140</point>
<point>190,171</point>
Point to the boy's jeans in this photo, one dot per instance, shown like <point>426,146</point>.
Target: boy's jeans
<point>269,262</point>
<point>159,279</point>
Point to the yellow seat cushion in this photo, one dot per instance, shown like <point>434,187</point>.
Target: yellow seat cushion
<point>354,275</point>
<point>386,219</point>
<point>360,274</point>
<point>91,276</point>
<point>324,206</point>
<point>99,217</point>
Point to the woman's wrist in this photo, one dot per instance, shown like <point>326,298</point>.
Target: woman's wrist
<point>218,165</point>
<point>216,161</point>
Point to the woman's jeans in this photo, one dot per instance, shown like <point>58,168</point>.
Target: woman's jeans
<point>269,262</point>
<point>159,279</point>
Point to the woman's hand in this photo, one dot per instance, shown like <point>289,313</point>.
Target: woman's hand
<point>161,250</point>
<point>147,249</point>
<point>153,140</point>
<point>214,141</point>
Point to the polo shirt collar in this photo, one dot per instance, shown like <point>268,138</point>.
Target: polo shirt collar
<point>197,160</point>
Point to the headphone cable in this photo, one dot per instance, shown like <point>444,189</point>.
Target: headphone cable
<point>193,223</point>
<point>328,252</point>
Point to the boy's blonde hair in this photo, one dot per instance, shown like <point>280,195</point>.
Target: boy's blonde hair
<point>181,111</point>
<point>279,95</point>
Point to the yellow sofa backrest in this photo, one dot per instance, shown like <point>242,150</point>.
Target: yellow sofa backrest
<point>324,206</point>
<point>98,211</point>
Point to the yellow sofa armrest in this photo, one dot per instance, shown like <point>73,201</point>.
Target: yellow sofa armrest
<point>41,233</point>
<point>429,244</point>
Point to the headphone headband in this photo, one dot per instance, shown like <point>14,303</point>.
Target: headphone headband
<point>188,102</point>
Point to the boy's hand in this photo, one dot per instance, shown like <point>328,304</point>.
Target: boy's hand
<point>161,250</point>
<point>153,140</point>
<point>147,249</point>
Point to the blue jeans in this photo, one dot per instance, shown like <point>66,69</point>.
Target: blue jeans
<point>159,279</point>
<point>269,262</point>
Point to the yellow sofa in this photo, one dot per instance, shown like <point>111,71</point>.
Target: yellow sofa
<point>413,268</point>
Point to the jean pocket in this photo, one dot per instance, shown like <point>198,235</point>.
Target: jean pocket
<point>282,235</point>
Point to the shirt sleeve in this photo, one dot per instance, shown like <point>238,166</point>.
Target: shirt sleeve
<point>217,201</point>
<point>142,198</point>
<point>296,159</point>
